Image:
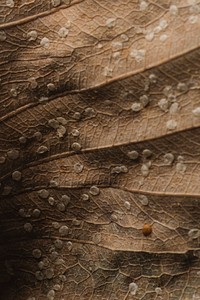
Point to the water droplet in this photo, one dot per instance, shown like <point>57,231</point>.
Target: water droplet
<point>136,106</point>
<point>53,123</point>
<point>63,32</point>
<point>173,9</point>
<point>107,72</point>
<point>111,22</point>
<point>75,132</point>
<point>168,158</point>
<point>143,5</point>
<point>97,238</point>
<point>127,205</point>
<point>182,87</point>
<point>149,36</point>
<point>61,131</point>
<point>51,294</point>
<point>10,3</point>
<point>57,287</point>
<point>22,140</point>
<point>194,233</point>
<point>133,154</point>
<point>13,154</point>
<point>44,194</point>
<point>6,190</point>
<point>39,275</point>
<point>171,124</point>
<point>69,245</point>
<point>158,290</point>
<point>163,37</point>
<point>124,37</point>
<point>2,36</point>
<point>78,168</point>
<point>145,170</point>
<point>44,42</point>
<point>55,3</point>
<point>85,197</point>
<point>36,213</point>
<point>58,244</point>
<point>38,135</point>
<point>174,108</point>
<point>51,201</point>
<point>143,200</point>
<point>181,167</point>
<point>117,46</point>
<point>144,100</point>
<point>43,100</point>
<point>42,149</point>
<point>36,253</point>
<point>147,153</point>
<point>76,147</point>
<point>49,273</point>
<point>32,35</point>
<point>163,24</point>
<point>65,199</point>
<point>119,169</point>
<point>2,159</point>
<point>133,287</point>
<point>28,227</point>
<point>64,230</point>
<point>196,112</point>
<point>61,120</point>
<point>139,55</point>
<point>17,175</point>
<point>163,104</point>
<point>193,19</point>
<point>94,190</point>
<point>61,207</point>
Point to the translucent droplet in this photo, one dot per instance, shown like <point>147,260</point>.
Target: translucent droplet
<point>149,36</point>
<point>163,104</point>
<point>147,153</point>
<point>2,36</point>
<point>143,5</point>
<point>163,24</point>
<point>75,132</point>
<point>65,199</point>
<point>58,244</point>
<point>181,167</point>
<point>173,9</point>
<point>145,170</point>
<point>133,154</point>
<point>44,42</point>
<point>38,136</point>
<point>32,35</point>
<point>127,205</point>
<point>61,131</point>
<point>174,108</point>
<point>56,225</point>
<point>6,190</point>
<point>193,19</point>
<point>17,175</point>
<point>69,246</point>
<point>53,123</point>
<point>36,213</point>
<point>139,55</point>
<point>22,140</point>
<point>196,112</point>
<point>51,201</point>
<point>136,106</point>
<point>42,149</point>
<point>2,159</point>
<point>39,275</point>
<point>28,227</point>
<point>76,147</point>
<point>111,22</point>
<point>182,87</point>
<point>143,199</point>
<point>36,253</point>
<point>44,194</point>
<point>78,168</point>
<point>51,294</point>
<point>144,100</point>
<point>158,290</point>
<point>10,3</point>
<point>94,190</point>
<point>49,273</point>
<point>63,230</point>
<point>61,207</point>
<point>163,37</point>
<point>61,120</point>
<point>133,287</point>
<point>51,86</point>
<point>63,32</point>
<point>85,197</point>
<point>194,233</point>
<point>108,72</point>
<point>55,3</point>
<point>168,158</point>
<point>13,154</point>
<point>171,124</point>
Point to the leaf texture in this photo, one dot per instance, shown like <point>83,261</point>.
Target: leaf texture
<point>99,151</point>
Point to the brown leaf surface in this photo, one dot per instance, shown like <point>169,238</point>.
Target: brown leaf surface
<point>100,116</point>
